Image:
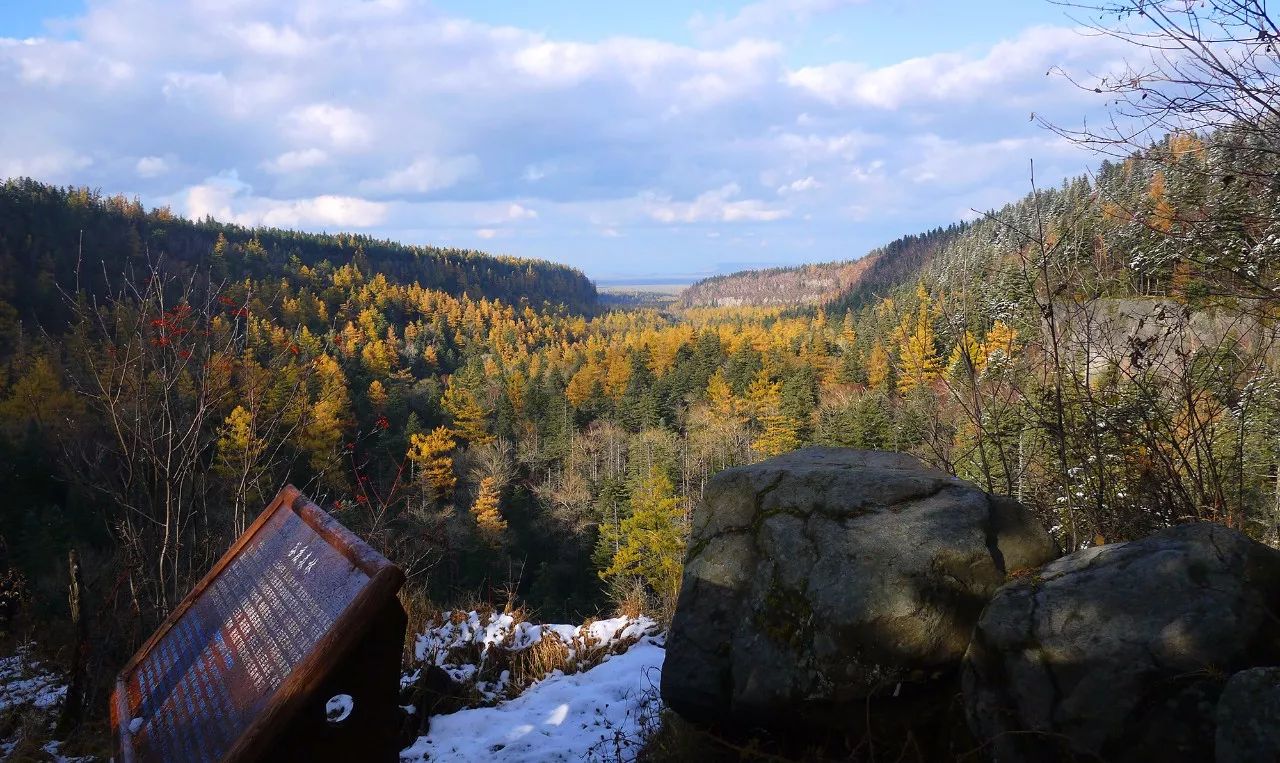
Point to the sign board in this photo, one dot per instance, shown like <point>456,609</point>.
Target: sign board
<point>297,612</point>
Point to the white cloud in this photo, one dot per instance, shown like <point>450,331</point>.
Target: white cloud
<point>803,184</point>
<point>227,198</point>
<point>275,41</point>
<point>518,212</point>
<point>716,206</point>
<point>151,166</point>
<point>390,116</point>
<point>424,175</point>
<point>58,165</point>
<point>535,172</point>
<point>486,233</point>
<point>1009,69</point>
<point>341,127</point>
<point>296,161</point>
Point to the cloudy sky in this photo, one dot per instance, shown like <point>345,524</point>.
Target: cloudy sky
<point>656,140</point>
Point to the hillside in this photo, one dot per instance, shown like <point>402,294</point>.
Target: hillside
<point>788,286</point>
<point>843,285</point>
<point>59,237</point>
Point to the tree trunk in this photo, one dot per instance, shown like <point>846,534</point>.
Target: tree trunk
<point>73,707</point>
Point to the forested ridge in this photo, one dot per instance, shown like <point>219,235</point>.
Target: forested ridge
<point>79,238</point>
<point>846,284</point>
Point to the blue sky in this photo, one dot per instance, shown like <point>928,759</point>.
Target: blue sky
<point>659,138</point>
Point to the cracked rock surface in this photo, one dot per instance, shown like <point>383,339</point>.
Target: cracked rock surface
<point>1120,652</point>
<point>826,576</point>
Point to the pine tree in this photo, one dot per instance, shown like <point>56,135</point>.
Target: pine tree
<point>651,539</point>
<point>469,420</point>
<point>432,454</point>
<point>486,512</point>
<point>721,396</point>
<point>776,432</point>
<point>917,347</point>
<point>238,445</point>
<point>878,368</point>
<point>998,342</point>
<point>377,396</point>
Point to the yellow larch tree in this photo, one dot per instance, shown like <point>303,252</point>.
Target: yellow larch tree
<point>720,395</point>
<point>650,542</point>
<point>469,422</point>
<point>917,347</point>
<point>1000,339</point>
<point>776,432</point>
<point>487,514</point>
<point>432,455</point>
<point>583,384</point>
<point>878,367</point>
<point>1162,212</point>
<point>967,356</point>
<point>377,396</point>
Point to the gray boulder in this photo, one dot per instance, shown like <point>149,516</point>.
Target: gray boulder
<point>1120,652</point>
<point>826,576</point>
<point>1249,718</point>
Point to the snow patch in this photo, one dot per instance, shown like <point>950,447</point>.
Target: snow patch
<point>24,682</point>
<point>464,644</point>
<point>601,713</point>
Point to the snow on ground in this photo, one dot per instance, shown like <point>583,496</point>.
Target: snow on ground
<point>26,686</point>
<point>598,714</point>
<point>25,683</point>
<point>467,646</point>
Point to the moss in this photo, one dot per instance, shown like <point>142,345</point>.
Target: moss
<point>787,617</point>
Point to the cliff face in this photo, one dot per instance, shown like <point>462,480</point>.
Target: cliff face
<point>782,287</point>
<point>840,285</point>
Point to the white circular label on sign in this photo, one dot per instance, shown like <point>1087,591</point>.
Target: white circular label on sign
<point>338,708</point>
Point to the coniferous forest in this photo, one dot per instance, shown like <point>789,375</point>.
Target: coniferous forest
<point>1106,350</point>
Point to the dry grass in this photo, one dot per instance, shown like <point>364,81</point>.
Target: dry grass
<point>523,665</point>
<point>528,666</point>
<point>421,612</point>
<point>632,598</point>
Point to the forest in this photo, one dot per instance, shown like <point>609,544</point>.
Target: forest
<point>1106,350</point>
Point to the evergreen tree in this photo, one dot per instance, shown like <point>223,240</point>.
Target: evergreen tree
<point>917,347</point>
<point>485,511</point>
<point>652,538</point>
<point>776,433</point>
<point>432,454</point>
<point>469,420</point>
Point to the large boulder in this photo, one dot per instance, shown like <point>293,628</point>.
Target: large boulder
<point>826,576</point>
<point>1120,652</point>
<point>1248,717</point>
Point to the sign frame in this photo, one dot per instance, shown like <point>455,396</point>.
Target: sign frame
<point>368,614</point>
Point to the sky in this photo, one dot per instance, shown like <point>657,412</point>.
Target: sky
<point>653,139</point>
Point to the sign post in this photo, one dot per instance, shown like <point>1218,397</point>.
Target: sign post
<point>289,649</point>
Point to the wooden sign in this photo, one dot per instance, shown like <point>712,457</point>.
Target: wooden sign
<point>289,649</point>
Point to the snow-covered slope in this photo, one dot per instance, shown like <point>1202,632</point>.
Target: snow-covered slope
<point>600,714</point>
<point>601,710</point>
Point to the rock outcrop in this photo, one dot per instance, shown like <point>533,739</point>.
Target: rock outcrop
<point>1121,651</point>
<point>1248,717</point>
<point>820,578</point>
